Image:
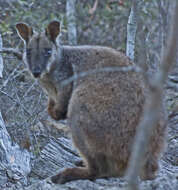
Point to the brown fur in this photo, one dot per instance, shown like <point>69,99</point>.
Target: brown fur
<point>103,109</point>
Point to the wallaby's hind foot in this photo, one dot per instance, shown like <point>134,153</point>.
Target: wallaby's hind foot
<point>71,174</point>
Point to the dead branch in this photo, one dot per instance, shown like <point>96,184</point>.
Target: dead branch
<point>12,51</point>
<point>14,160</point>
<point>151,112</point>
<point>93,9</point>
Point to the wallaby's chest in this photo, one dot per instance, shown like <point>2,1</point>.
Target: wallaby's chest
<point>49,86</point>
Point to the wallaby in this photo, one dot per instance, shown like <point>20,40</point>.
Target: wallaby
<point>103,109</point>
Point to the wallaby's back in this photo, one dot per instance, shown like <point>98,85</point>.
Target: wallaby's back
<point>104,111</point>
<point>103,114</point>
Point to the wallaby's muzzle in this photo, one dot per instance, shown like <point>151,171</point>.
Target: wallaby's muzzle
<point>36,73</point>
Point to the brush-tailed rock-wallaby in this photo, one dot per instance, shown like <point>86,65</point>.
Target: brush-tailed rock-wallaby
<point>103,109</point>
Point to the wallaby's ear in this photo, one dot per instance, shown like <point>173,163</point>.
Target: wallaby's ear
<point>53,30</point>
<point>24,31</point>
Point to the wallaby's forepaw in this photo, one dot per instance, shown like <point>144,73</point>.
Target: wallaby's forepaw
<point>54,112</point>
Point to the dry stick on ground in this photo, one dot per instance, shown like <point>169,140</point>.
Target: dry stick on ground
<point>151,112</point>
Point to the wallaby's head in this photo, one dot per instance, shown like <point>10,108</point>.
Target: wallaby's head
<point>41,48</point>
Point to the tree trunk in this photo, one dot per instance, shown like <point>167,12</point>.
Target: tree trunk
<point>1,60</point>
<point>71,22</point>
<point>131,30</point>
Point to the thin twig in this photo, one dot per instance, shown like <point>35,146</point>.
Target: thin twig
<point>99,70</point>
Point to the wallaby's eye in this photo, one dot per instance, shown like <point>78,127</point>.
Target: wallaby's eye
<point>47,52</point>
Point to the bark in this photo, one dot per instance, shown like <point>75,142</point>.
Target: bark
<point>71,21</point>
<point>151,112</point>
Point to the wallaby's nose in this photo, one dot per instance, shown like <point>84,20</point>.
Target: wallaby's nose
<point>36,74</point>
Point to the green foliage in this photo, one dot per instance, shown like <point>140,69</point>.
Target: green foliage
<point>35,13</point>
<point>4,27</point>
